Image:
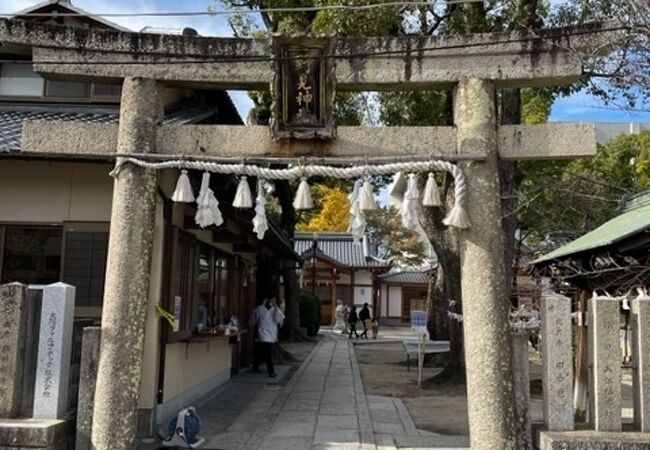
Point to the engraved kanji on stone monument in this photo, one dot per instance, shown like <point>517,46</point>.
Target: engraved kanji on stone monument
<point>558,362</point>
<point>303,88</point>
<point>54,348</point>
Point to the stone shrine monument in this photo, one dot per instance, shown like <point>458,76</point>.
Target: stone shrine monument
<point>54,350</point>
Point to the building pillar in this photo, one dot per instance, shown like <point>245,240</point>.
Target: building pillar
<point>333,295</point>
<point>127,273</point>
<point>490,391</point>
<point>557,354</point>
<point>605,364</point>
<point>641,358</point>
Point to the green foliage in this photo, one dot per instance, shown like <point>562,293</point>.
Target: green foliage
<point>578,195</point>
<point>404,246</point>
<point>415,108</point>
<point>370,22</point>
<point>309,312</point>
<point>536,105</point>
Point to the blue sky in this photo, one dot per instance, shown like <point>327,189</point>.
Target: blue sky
<point>579,107</point>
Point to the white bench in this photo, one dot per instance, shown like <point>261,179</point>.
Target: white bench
<point>411,346</point>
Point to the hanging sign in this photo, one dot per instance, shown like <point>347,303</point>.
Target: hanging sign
<point>419,316</point>
<point>303,88</point>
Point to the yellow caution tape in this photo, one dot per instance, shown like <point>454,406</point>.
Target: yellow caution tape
<point>167,316</point>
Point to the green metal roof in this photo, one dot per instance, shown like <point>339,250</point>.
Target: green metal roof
<point>634,218</point>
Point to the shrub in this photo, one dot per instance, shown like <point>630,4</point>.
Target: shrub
<point>309,312</point>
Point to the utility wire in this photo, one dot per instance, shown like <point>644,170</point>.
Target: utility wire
<point>225,12</point>
<point>420,52</point>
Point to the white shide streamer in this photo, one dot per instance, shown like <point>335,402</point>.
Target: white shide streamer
<point>367,201</point>
<point>456,217</point>
<point>260,223</point>
<point>357,226</point>
<point>408,210</point>
<point>207,205</point>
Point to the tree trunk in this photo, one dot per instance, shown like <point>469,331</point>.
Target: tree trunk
<point>292,311</point>
<point>509,179</point>
<point>288,222</point>
<point>446,292</point>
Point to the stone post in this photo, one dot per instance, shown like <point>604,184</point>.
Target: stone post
<point>54,352</point>
<point>87,384</point>
<point>490,390</point>
<point>641,358</point>
<point>521,368</point>
<point>127,273</point>
<point>605,364</point>
<point>13,322</point>
<point>557,354</point>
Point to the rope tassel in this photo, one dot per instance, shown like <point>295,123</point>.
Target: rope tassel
<point>260,223</point>
<point>431,196</point>
<point>183,192</point>
<point>367,201</point>
<point>243,198</point>
<point>303,196</point>
<point>457,217</point>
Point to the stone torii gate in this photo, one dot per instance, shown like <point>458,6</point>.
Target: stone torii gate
<point>473,65</point>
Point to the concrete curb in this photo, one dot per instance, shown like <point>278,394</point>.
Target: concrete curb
<point>256,439</point>
<point>363,413</point>
<point>405,417</point>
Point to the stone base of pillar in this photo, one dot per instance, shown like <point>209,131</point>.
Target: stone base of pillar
<point>593,440</point>
<point>35,434</point>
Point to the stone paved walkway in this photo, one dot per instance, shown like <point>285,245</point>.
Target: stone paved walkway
<point>323,406</point>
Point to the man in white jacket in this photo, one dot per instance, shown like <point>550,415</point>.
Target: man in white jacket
<point>266,319</point>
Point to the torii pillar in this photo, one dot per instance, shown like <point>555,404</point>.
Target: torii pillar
<point>490,388</point>
<point>127,272</point>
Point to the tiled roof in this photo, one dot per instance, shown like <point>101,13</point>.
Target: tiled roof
<point>406,277</point>
<point>68,7</point>
<point>340,248</point>
<point>12,117</point>
<point>634,218</point>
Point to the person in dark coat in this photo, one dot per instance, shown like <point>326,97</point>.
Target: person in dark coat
<point>353,318</point>
<point>364,317</point>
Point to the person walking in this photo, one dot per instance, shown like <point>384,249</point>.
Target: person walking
<point>364,317</point>
<point>266,319</point>
<point>353,318</point>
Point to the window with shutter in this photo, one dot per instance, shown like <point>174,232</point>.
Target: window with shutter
<point>84,263</point>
